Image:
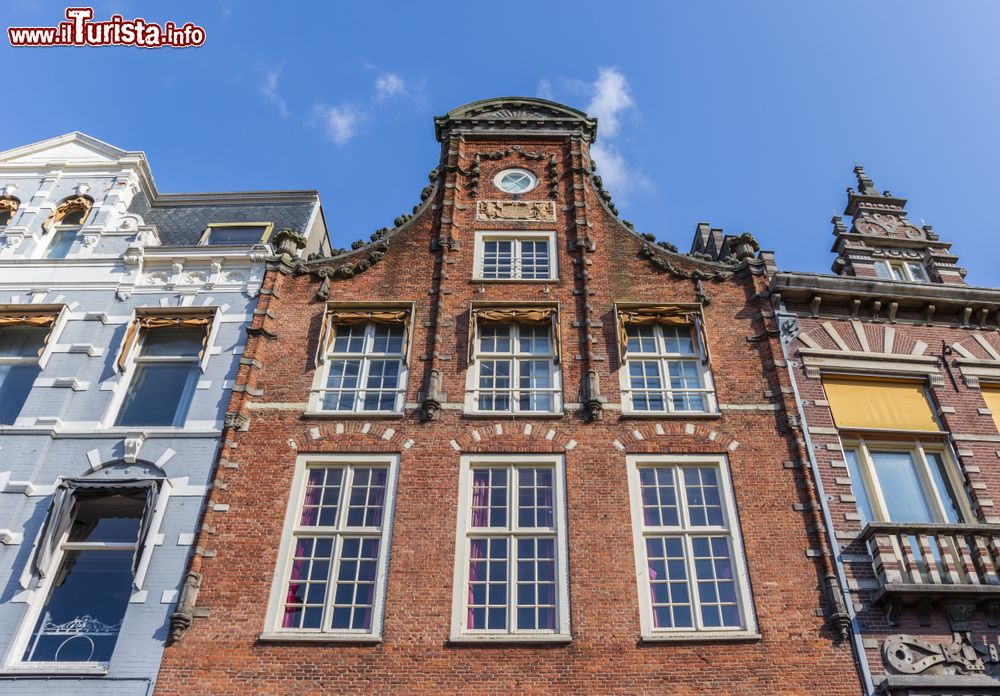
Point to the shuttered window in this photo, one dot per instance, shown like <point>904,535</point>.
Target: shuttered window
<point>863,404</point>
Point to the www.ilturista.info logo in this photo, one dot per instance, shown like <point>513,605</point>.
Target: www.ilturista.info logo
<point>117,31</point>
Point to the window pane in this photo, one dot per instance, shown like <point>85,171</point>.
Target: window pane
<point>716,582</point>
<point>641,338</point>
<point>536,584</point>
<point>882,270</point>
<point>535,259</point>
<point>897,271</point>
<point>487,599</point>
<point>533,339</point>
<point>489,498</point>
<point>678,339</point>
<point>82,616</point>
<point>704,500</point>
<point>179,342</point>
<point>494,385</point>
<point>235,235</point>
<point>322,498</point>
<point>109,518</point>
<point>22,341</point>
<point>659,497</point>
<point>899,481</point>
<point>646,384</point>
<point>685,375</point>
<point>61,244</point>
<point>945,490</point>
<point>858,487</point>
<point>15,385</point>
<point>343,375</point>
<point>534,497</point>
<point>494,338</point>
<point>383,375</point>
<point>498,259</point>
<point>73,217</point>
<point>367,498</point>
<point>533,375</point>
<point>388,338</point>
<point>349,338</point>
<point>354,596</point>
<point>307,585</point>
<point>668,583</point>
<point>159,395</point>
<point>917,271</point>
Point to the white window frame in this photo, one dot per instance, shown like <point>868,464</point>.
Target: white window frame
<point>272,627</point>
<point>39,595</point>
<point>917,449</point>
<point>515,357</point>
<point>663,358</point>
<point>511,170</point>
<point>464,531</point>
<point>731,529</point>
<point>265,232</point>
<point>904,268</point>
<point>517,237</point>
<point>366,356</point>
<point>127,376</point>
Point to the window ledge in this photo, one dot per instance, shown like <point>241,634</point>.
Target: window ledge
<point>368,639</point>
<point>494,281</point>
<point>51,669</point>
<point>354,415</point>
<point>700,637</point>
<point>507,415</point>
<point>512,639</point>
<point>667,415</point>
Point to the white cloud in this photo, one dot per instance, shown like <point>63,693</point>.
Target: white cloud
<point>611,97</point>
<point>389,85</point>
<point>544,89</point>
<point>616,174</point>
<point>270,91</point>
<point>340,123</point>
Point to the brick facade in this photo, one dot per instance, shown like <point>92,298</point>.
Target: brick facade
<point>427,260</point>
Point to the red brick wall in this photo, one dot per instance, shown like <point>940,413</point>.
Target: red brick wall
<point>795,654</point>
<point>958,408</point>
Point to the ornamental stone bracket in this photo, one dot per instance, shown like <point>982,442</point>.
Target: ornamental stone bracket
<point>536,211</point>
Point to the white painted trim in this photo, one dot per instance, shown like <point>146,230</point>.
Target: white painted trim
<point>515,235</point>
<point>272,629</point>
<point>732,528</point>
<point>459,612</point>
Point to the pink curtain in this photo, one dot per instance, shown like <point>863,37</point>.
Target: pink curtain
<point>477,550</point>
<point>481,498</point>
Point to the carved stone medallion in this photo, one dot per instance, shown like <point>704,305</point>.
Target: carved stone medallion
<point>537,211</point>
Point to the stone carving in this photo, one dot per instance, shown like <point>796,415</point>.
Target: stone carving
<point>540,211</point>
<point>9,205</point>
<point>906,654</point>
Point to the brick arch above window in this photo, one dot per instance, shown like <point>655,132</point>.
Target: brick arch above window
<point>350,436</point>
<point>513,438</point>
<point>650,438</point>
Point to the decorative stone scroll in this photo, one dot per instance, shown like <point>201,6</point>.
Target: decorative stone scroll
<point>537,211</point>
<point>906,654</point>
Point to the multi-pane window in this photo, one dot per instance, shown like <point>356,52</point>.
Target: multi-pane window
<point>85,591</point>
<point>248,233</point>
<point>691,571</point>
<point>336,549</point>
<point>515,369</point>
<point>665,370</point>
<point>66,233</point>
<point>505,257</point>
<point>22,340</point>
<point>912,271</point>
<point>164,377</point>
<point>365,368</point>
<point>511,555</point>
<point>905,482</point>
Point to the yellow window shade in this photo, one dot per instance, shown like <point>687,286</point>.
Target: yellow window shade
<point>992,396</point>
<point>879,404</point>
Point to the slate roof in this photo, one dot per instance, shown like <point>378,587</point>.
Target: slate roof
<point>182,223</point>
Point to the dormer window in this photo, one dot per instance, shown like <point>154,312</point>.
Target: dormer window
<point>65,223</point>
<point>910,271</point>
<point>236,233</point>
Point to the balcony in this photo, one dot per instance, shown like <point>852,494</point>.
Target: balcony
<point>957,565</point>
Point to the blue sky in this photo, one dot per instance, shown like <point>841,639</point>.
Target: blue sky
<point>749,116</point>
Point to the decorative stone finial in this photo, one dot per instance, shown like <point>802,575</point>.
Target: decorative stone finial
<point>865,184</point>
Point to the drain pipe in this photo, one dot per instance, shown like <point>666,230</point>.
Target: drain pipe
<point>859,648</point>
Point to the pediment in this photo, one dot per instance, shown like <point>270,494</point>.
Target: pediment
<point>72,147</point>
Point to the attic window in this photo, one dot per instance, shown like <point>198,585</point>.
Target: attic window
<point>238,233</point>
<point>515,181</point>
